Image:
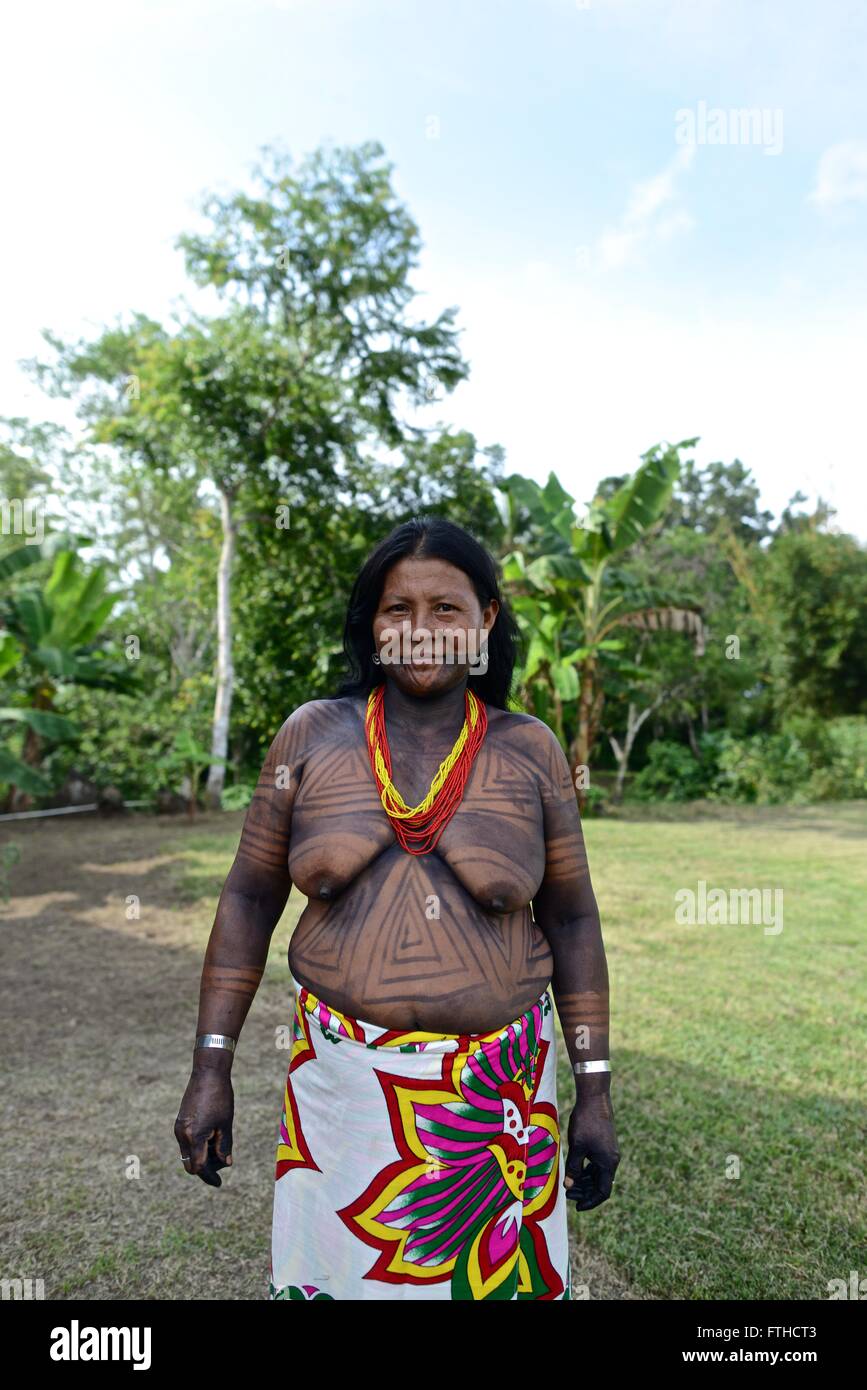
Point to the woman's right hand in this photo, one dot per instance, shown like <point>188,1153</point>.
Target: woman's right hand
<point>203,1128</point>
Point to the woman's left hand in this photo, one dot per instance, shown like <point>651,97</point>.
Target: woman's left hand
<point>592,1137</point>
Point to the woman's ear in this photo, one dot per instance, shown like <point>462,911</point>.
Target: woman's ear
<point>489,614</point>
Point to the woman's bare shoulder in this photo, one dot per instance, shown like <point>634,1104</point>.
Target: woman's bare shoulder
<point>316,720</point>
<point>532,736</point>
<point>514,723</point>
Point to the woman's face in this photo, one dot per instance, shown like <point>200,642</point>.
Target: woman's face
<point>429,626</point>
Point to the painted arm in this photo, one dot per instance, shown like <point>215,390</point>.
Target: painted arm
<point>250,906</point>
<point>565,910</point>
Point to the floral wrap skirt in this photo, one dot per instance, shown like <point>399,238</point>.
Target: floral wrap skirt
<point>417,1165</point>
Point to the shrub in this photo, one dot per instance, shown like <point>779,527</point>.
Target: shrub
<point>810,760</point>
<point>236,797</point>
<point>840,773</point>
<point>765,768</point>
<point>673,774</point>
<point>596,800</point>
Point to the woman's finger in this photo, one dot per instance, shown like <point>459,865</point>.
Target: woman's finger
<point>574,1164</point>
<point>198,1142</point>
<point>592,1188</point>
<point>223,1144</point>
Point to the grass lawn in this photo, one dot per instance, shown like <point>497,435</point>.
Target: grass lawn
<point>737,1056</point>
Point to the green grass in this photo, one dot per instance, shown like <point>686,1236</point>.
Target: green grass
<point>737,1056</point>
<point>734,1051</point>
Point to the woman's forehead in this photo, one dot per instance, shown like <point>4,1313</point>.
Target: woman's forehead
<point>421,574</point>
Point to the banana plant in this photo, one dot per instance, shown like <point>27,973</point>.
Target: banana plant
<point>570,601</point>
<point>49,637</point>
<point>43,724</point>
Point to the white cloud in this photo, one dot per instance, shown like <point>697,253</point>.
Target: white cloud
<point>842,175</point>
<point>616,248</point>
<point>642,221</point>
<point>539,271</point>
<point>678,222</point>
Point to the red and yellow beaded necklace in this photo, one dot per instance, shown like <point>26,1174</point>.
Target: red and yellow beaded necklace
<point>418,828</point>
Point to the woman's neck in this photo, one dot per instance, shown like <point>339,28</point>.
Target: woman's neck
<point>430,718</point>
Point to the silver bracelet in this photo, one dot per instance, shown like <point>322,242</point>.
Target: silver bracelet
<point>592,1066</point>
<point>215,1040</point>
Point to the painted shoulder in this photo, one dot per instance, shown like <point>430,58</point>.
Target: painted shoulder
<point>315,720</point>
<point>536,740</point>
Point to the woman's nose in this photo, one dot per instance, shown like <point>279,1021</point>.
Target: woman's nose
<point>420,621</point>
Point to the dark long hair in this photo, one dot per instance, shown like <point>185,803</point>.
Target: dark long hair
<point>429,537</point>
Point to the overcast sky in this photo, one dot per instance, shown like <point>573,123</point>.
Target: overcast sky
<point>651,214</point>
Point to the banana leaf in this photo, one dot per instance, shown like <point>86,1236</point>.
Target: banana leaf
<point>43,721</point>
<point>25,778</point>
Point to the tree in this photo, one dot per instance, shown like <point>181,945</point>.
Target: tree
<point>814,601</point>
<point>652,685</point>
<point>50,637</point>
<point>292,585</point>
<point>685,694</point>
<point>571,600</point>
<point>189,758</point>
<point>25,484</point>
<point>718,494</point>
<point>301,373</point>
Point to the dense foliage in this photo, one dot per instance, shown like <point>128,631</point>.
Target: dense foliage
<point>681,641</point>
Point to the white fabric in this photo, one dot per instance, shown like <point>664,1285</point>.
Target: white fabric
<point>413,1165</point>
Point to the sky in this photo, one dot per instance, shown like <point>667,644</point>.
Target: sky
<point>649,214</point>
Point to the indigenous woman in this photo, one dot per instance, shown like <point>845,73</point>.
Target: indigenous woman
<point>436,836</point>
